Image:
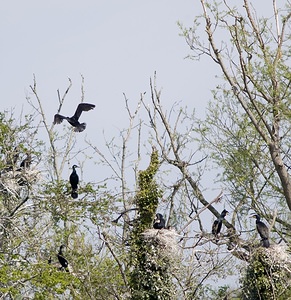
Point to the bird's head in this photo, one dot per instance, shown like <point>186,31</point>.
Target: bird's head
<point>224,213</point>
<point>62,247</point>
<point>74,167</point>
<point>158,217</point>
<point>255,216</point>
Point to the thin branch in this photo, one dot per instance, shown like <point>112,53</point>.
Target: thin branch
<point>215,200</point>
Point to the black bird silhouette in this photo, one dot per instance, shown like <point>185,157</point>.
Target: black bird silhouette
<point>25,164</point>
<point>159,222</point>
<point>74,181</point>
<point>263,231</point>
<point>64,263</point>
<point>216,227</point>
<point>74,120</point>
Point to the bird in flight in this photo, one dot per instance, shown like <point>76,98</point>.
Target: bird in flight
<point>74,120</point>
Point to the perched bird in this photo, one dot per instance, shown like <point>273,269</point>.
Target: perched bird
<point>263,231</point>
<point>64,263</point>
<point>25,164</point>
<point>159,222</point>
<point>74,181</point>
<point>216,227</point>
<point>74,120</point>
<point>12,159</point>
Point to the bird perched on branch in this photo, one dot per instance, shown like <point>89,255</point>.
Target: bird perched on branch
<point>216,227</point>
<point>159,222</point>
<point>64,263</point>
<point>74,181</point>
<point>263,231</point>
<point>25,164</point>
<point>74,120</point>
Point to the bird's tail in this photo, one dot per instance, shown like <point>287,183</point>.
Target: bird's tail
<point>216,237</point>
<point>266,243</point>
<point>74,194</point>
<point>80,127</point>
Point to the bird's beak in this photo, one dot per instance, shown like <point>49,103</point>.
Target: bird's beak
<point>156,220</point>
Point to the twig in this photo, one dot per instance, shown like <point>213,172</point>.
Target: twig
<point>216,199</point>
<point>115,257</point>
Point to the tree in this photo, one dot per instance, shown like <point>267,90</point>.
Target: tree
<point>247,129</point>
<point>38,215</point>
<point>113,252</point>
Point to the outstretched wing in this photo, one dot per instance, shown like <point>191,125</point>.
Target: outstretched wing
<point>58,119</point>
<point>82,107</point>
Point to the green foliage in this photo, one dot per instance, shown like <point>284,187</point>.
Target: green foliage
<point>40,215</point>
<point>266,277</point>
<point>150,278</point>
<point>147,197</point>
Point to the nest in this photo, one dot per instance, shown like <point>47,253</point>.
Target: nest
<point>165,239</point>
<point>12,182</point>
<point>278,255</point>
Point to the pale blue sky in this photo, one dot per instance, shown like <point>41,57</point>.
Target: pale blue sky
<point>115,45</point>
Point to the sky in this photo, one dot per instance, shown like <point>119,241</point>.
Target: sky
<point>116,45</point>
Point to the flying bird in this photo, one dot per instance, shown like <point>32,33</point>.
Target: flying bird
<point>159,222</point>
<point>263,231</point>
<point>74,120</point>
<point>74,181</point>
<point>64,263</point>
<point>216,227</point>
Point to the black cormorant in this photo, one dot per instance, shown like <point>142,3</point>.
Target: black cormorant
<point>12,159</point>
<point>25,164</point>
<point>216,227</point>
<point>74,180</point>
<point>263,231</point>
<point>159,222</point>
<point>64,263</point>
<point>74,120</point>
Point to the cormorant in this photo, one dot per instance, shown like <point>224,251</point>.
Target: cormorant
<point>216,227</point>
<point>263,231</point>
<point>12,158</point>
<point>74,180</point>
<point>64,263</point>
<point>25,164</point>
<point>74,120</point>
<point>159,222</point>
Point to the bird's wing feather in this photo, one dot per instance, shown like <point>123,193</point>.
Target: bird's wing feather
<point>263,230</point>
<point>82,107</point>
<point>58,119</point>
<point>214,227</point>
